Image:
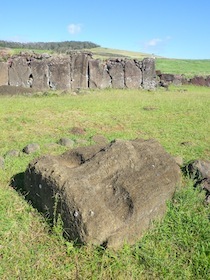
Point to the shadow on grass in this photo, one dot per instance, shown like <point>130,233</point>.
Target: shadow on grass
<point>53,220</point>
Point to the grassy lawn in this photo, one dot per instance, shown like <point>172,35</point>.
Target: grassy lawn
<point>189,67</point>
<point>176,248</point>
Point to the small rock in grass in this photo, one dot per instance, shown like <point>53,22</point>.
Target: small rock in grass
<point>31,148</point>
<point>77,131</point>
<point>12,153</point>
<point>66,142</point>
<point>149,108</point>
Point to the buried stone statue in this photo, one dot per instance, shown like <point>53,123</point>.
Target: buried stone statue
<point>105,194</point>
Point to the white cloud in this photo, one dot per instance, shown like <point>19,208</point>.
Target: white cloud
<point>156,44</point>
<point>74,28</point>
<point>153,42</point>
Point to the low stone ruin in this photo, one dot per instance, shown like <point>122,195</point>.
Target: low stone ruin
<point>77,70</point>
<point>199,171</point>
<point>164,80</point>
<point>105,194</point>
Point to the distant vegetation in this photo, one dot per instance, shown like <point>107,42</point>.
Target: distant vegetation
<point>187,67</point>
<point>60,47</point>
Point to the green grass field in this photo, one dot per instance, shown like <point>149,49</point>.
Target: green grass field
<point>188,67</point>
<point>176,248</point>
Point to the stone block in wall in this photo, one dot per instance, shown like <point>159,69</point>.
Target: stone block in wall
<point>148,73</point>
<point>116,72</point>
<point>39,70</point>
<point>98,74</point>
<point>198,81</point>
<point>133,74</point>
<point>59,72</point>
<point>3,74</point>
<point>208,81</point>
<point>19,72</point>
<point>79,70</point>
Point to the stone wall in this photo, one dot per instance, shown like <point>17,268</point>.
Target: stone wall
<point>77,70</point>
<point>166,79</point>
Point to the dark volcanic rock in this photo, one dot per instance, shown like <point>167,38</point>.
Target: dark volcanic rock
<point>66,142</point>
<point>98,74</point>
<point>199,171</point>
<point>79,70</point>
<point>198,81</point>
<point>19,72</point>
<point>105,195</point>
<point>149,74</point>
<point>40,74</point>
<point>13,153</point>
<point>59,73</point>
<point>133,75</point>
<point>31,148</point>
<point>77,131</point>
<point>116,72</point>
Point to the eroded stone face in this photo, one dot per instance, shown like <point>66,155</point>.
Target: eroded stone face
<point>59,73</point>
<point>106,194</point>
<point>133,74</point>
<point>19,72</point>
<point>75,71</point>
<point>79,70</point>
<point>4,74</point>
<point>98,74</point>
<point>40,74</point>
<point>149,74</point>
<point>116,72</point>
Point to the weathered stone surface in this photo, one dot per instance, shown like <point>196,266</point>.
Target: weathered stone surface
<point>198,81</point>
<point>4,74</point>
<point>66,142</point>
<point>199,171</point>
<point>59,73</point>
<point>77,130</point>
<point>116,72</point>
<point>208,81</point>
<point>98,74</point>
<point>105,195</point>
<point>149,75</point>
<point>133,74</point>
<point>31,148</point>
<point>79,70</point>
<point>19,72</point>
<point>40,74</point>
<point>13,153</point>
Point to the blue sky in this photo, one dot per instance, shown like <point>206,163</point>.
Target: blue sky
<point>170,28</point>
